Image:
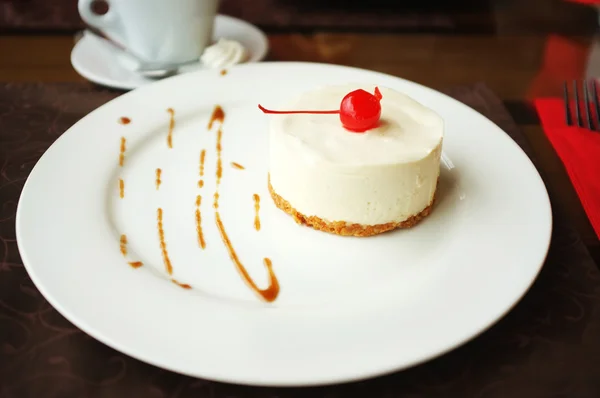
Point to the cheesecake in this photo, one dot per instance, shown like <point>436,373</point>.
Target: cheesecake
<point>355,183</point>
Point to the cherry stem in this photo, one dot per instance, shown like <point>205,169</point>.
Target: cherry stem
<point>265,110</point>
<point>378,94</point>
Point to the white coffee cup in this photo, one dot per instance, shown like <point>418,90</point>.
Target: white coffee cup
<point>156,31</point>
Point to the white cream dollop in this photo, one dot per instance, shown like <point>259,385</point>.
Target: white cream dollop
<point>223,54</point>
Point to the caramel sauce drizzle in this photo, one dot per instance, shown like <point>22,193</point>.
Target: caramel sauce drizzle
<point>219,161</point>
<point>121,188</point>
<point>219,172</point>
<point>183,285</point>
<point>256,209</point>
<point>124,120</point>
<point>158,180</point>
<point>122,153</point>
<point>136,264</point>
<point>199,232</point>
<point>202,158</point>
<point>272,291</point>
<point>163,244</point>
<point>123,244</point>
<point>237,166</point>
<point>223,72</point>
<point>217,115</point>
<point>171,127</point>
<point>216,200</point>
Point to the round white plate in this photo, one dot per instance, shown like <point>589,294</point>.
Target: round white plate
<point>99,62</point>
<point>349,308</point>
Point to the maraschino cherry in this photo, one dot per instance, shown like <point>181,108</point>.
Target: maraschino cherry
<point>359,110</point>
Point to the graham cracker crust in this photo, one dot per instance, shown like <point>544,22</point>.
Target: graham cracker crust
<point>342,227</point>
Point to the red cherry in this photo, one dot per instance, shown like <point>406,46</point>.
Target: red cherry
<point>359,110</point>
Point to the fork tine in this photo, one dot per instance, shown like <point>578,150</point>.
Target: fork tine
<point>568,116</point>
<point>577,112</point>
<point>595,101</point>
<point>586,105</point>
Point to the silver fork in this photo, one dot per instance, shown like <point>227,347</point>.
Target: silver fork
<point>586,84</point>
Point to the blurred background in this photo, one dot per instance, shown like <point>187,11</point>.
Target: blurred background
<point>458,16</point>
<point>475,40</point>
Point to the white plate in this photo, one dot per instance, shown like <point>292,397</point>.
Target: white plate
<point>100,63</point>
<point>349,308</point>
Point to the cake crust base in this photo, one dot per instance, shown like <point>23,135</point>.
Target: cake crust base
<point>341,227</point>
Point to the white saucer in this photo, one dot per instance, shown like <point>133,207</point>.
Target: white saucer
<point>99,62</point>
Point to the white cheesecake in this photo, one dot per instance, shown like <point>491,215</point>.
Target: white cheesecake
<point>349,183</point>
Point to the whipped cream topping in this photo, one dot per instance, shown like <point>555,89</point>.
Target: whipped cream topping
<point>407,131</point>
<point>223,54</point>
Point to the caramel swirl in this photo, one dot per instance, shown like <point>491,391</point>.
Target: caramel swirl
<point>171,127</point>
<point>199,233</point>
<point>202,159</point>
<point>122,151</point>
<point>256,209</point>
<point>158,180</point>
<point>123,244</point>
<point>163,243</point>
<point>217,116</point>
<point>272,291</point>
<point>219,173</point>
<point>182,285</point>
<point>121,188</point>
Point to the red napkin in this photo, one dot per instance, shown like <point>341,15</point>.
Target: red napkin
<point>579,150</point>
<point>564,59</point>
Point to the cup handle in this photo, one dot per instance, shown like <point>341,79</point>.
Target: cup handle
<point>108,23</point>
